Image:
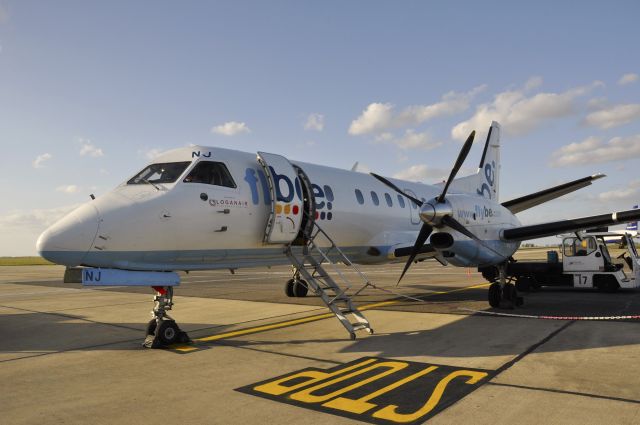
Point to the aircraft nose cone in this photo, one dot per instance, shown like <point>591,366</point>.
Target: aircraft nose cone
<point>68,240</point>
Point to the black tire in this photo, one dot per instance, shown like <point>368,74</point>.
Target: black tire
<point>151,327</point>
<point>494,295</point>
<point>168,332</point>
<point>510,295</point>
<point>288,288</point>
<point>300,288</point>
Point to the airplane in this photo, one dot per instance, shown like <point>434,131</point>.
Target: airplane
<point>203,208</point>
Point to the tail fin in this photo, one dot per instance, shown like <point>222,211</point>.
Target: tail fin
<point>633,226</point>
<point>486,181</point>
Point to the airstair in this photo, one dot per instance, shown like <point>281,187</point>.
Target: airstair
<point>312,263</point>
<point>292,223</point>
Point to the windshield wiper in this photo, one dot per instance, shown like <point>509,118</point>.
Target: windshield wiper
<point>152,184</point>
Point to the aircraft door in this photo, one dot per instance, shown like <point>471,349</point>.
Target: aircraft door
<point>286,212</point>
<point>582,255</point>
<point>413,208</point>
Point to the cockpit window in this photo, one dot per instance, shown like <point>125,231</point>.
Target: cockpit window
<point>209,172</point>
<point>160,173</point>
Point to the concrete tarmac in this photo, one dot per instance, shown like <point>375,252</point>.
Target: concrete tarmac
<point>74,355</point>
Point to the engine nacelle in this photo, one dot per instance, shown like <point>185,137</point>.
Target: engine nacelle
<point>470,253</point>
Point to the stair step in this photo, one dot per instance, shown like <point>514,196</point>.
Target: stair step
<point>310,264</point>
<point>359,326</point>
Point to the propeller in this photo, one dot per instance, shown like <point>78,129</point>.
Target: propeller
<point>397,189</point>
<point>423,235</point>
<point>456,167</point>
<point>440,215</point>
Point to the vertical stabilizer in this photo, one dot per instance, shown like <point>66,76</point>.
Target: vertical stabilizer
<point>489,168</point>
<point>486,180</point>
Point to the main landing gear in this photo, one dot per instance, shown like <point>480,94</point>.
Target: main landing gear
<point>503,293</point>
<point>296,286</point>
<point>162,330</point>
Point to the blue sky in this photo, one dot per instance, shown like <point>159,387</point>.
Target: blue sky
<point>89,91</point>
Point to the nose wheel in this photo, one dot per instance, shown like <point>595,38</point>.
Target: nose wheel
<point>162,330</point>
<point>503,294</point>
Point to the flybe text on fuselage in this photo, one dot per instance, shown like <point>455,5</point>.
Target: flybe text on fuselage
<point>286,190</point>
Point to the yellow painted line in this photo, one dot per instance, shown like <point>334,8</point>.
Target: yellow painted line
<point>265,327</point>
<point>184,348</point>
<point>257,329</point>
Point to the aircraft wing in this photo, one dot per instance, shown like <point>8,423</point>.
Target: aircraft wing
<point>565,226</point>
<point>525,202</point>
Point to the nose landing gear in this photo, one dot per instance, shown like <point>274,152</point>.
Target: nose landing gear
<point>162,330</point>
<point>503,294</point>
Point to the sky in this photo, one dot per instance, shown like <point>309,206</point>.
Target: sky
<point>91,91</point>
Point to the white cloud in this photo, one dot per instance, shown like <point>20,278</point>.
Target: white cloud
<point>89,149</point>
<point>41,159</point>
<point>421,173</point>
<point>378,117</point>
<point>410,140</point>
<point>533,83</point>
<point>519,113</point>
<point>314,122</point>
<point>71,188</point>
<point>628,79</point>
<point>375,117</point>
<point>231,128</point>
<point>35,219</point>
<point>597,103</point>
<point>614,116</point>
<point>151,154</point>
<point>593,150</point>
<point>20,228</point>
<point>629,194</point>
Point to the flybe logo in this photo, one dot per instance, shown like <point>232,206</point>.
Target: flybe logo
<point>478,213</point>
<point>287,190</point>
<point>490,180</point>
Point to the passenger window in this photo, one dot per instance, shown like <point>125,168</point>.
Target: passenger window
<point>387,198</point>
<point>401,201</point>
<point>208,172</point>
<point>374,198</point>
<point>359,197</point>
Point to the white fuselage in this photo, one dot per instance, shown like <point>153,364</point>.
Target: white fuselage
<point>189,226</point>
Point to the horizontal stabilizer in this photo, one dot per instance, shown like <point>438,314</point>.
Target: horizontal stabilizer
<point>525,202</point>
<point>566,226</point>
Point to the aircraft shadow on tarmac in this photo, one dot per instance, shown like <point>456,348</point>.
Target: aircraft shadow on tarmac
<point>469,336</point>
<point>34,332</point>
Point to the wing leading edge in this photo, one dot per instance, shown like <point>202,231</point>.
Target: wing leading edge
<point>529,201</point>
<point>565,226</point>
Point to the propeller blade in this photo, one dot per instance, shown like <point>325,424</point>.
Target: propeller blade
<point>456,225</point>
<point>425,231</point>
<point>456,167</point>
<point>397,189</point>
